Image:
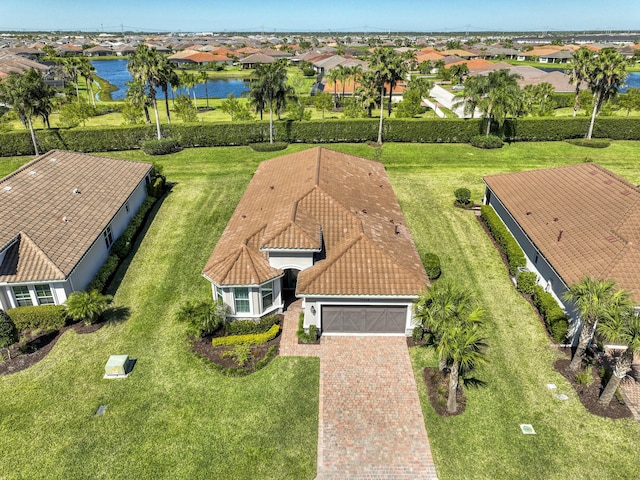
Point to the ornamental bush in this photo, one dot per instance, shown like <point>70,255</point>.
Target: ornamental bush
<point>526,281</point>
<point>40,317</point>
<point>105,274</point>
<point>253,339</point>
<point>162,146</point>
<point>247,327</point>
<point>510,248</point>
<point>487,141</point>
<point>463,195</point>
<point>268,147</point>
<point>8,330</point>
<point>306,337</point>
<point>432,266</point>
<point>593,143</point>
<point>554,317</point>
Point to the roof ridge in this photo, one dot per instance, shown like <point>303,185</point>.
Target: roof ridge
<point>616,259</point>
<point>617,177</point>
<point>27,165</point>
<point>391,258</point>
<point>40,252</point>
<point>323,265</point>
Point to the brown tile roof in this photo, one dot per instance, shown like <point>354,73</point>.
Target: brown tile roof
<point>315,197</point>
<point>597,212</point>
<point>37,199</point>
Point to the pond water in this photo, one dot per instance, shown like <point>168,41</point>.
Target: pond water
<point>116,73</point>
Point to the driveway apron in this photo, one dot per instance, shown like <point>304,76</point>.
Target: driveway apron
<point>371,424</point>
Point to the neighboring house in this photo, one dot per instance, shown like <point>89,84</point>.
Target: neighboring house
<point>571,222</point>
<point>256,59</point>
<point>61,214</point>
<point>326,227</point>
<point>15,63</point>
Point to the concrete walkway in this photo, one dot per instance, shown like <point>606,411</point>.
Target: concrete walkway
<point>370,422</point>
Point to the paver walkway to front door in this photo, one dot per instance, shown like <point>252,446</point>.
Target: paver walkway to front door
<point>370,420</point>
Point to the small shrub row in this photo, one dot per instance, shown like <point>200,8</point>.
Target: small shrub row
<point>593,143</point>
<point>249,327</point>
<point>252,339</point>
<point>243,372</point>
<point>306,337</point>
<point>486,141</point>
<point>526,281</point>
<point>417,334</point>
<point>268,147</point>
<point>511,249</point>
<point>554,317</point>
<point>40,317</point>
<point>163,146</point>
<point>121,247</point>
<point>432,266</point>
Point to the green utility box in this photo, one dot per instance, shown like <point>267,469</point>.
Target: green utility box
<point>117,366</point>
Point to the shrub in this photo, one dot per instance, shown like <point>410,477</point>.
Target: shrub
<point>486,141</point>
<point>432,266</point>
<point>593,143</point>
<point>240,354</point>
<point>417,334</point>
<point>585,377</point>
<point>8,330</point>
<point>304,337</point>
<point>526,282</point>
<point>268,147</point>
<point>87,306</point>
<point>122,246</point>
<point>252,339</point>
<point>248,327</point>
<point>554,317</point>
<point>105,274</point>
<point>162,146</point>
<point>156,188</point>
<point>511,249</point>
<point>42,317</point>
<point>463,195</point>
<point>203,317</point>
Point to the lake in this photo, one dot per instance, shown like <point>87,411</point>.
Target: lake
<point>116,73</point>
<point>633,79</point>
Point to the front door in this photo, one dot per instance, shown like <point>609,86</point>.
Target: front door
<point>289,283</point>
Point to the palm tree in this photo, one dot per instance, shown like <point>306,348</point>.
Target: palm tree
<point>474,89</point>
<point>343,74</point>
<point>27,94</point>
<point>592,298</point>
<point>87,306</point>
<point>620,327</point>
<point>270,79</point>
<point>380,59</point>
<point>167,78</point>
<point>137,96</point>
<point>334,76</point>
<point>459,71</point>
<point>605,79</point>
<point>190,81</point>
<point>145,66</point>
<point>86,69</point>
<point>582,60</point>
<point>503,97</point>
<point>70,70</point>
<point>368,91</point>
<point>204,78</point>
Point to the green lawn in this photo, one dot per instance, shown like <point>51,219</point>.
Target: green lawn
<point>177,419</point>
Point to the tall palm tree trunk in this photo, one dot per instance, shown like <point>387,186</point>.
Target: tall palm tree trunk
<point>488,125</point>
<point>155,111</point>
<point>381,111</point>
<point>33,136</point>
<point>271,122</point>
<point>146,115</point>
<point>620,369</point>
<point>206,91</point>
<point>593,116</point>
<point>452,404</point>
<point>576,102</point>
<point>583,343</point>
<point>165,90</point>
<point>390,95</point>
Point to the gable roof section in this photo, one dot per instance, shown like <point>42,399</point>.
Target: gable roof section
<point>597,212</point>
<point>54,225</point>
<point>320,197</point>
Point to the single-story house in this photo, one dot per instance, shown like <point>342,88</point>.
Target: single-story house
<point>256,59</point>
<point>571,222</point>
<point>98,51</point>
<point>61,214</point>
<point>326,227</point>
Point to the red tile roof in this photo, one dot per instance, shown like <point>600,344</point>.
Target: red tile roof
<point>597,212</point>
<point>314,197</point>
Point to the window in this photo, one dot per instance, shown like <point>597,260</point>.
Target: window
<point>267,295</point>
<point>219,293</point>
<point>108,237</point>
<point>45,297</point>
<point>242,300</point>
<point>23,297</point>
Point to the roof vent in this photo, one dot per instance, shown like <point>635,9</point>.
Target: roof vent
<point>555,219</point>
<point>560,235</point>
<point>397,229</point>
<point>7,188</point>
<point>65,219</point>
<point>612,239</point>
<point>626,192</point>
<point>527,213</point>
<point>76,191</point>
<point>52,160</point>
<point>32,172</point>
<point>271,187</point>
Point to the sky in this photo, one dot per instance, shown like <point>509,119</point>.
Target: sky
<point>330,16</point>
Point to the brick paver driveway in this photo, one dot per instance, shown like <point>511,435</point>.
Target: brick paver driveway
<point>371,424</point>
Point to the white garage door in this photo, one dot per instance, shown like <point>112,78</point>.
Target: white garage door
<point>363,319</point>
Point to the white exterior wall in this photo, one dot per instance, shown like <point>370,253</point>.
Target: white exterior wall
<point>59,290</point>
<point>284,260</point>
<point>311,318</point>
<point>255,301</point>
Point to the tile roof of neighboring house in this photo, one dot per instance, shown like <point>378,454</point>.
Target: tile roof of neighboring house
<point>472,64</point>
<point>318,197</point>
<point>15,63</point>
<point>559,81</point>
<point>449,59</point>
<point>45,226</point>
<point>257,58</point>
<point>584,219</point>
<point>459,53</point>
<point>429,56</point>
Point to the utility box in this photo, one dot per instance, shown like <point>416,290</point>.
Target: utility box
<point>117,366</point>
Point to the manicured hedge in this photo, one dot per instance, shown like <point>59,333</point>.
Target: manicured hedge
<point>248,327</point>
<point>432,266</point>
<point>163,146</point>
<point>554,317</point>
<point>252,339</point>
<point>526,282</point>
<point>41,317</point>
<point>306,337</point>
<point>511,249</point>
<point>449,130</point>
